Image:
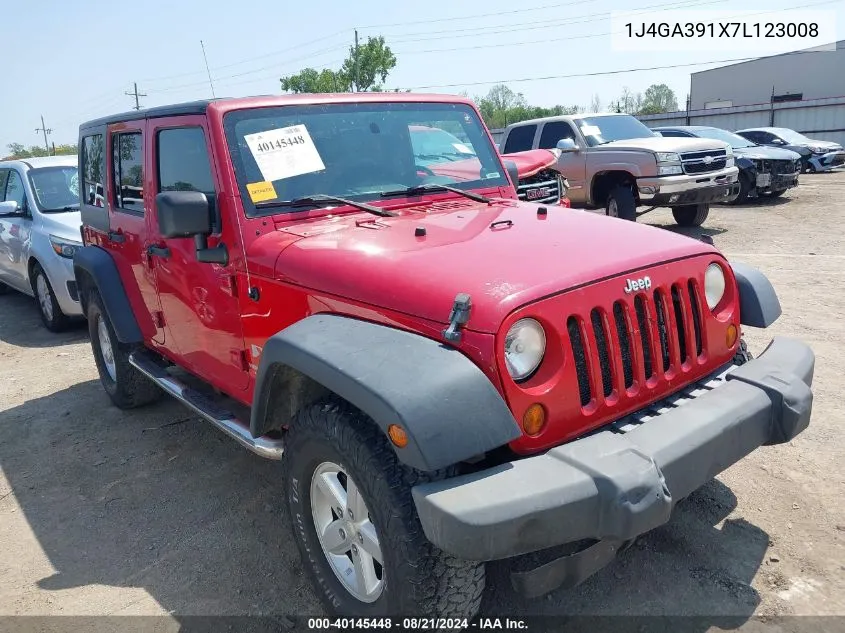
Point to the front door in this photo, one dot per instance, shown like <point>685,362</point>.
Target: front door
<point>15,232</point>
<point>198,300</point>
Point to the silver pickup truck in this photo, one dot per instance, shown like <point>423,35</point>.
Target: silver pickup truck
<point>613,161</point>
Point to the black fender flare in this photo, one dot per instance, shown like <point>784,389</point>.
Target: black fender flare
<point>98,265</point>
<point>758,302</point>
<point>447,406</point>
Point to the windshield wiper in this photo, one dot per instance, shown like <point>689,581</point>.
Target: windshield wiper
<point>71,207</point>
<point>319,199</point>
<point>418,189</point>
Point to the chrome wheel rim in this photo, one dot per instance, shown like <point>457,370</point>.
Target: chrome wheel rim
<point>346,533</point>
<point>44,298</point>
<point>106,350</point>
<point>612,209</point>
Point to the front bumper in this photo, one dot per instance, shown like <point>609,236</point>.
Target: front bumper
<point>609,487</point>
<point>720,186</point>
<point>828,161</point>
<point>776,182</point>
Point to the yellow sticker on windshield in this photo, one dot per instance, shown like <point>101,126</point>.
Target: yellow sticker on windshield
<point>260,191</point>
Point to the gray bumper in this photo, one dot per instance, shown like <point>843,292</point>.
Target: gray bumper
<point>613,486</point>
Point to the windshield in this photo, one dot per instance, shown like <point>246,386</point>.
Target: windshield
<point>734,140</point>
<point>56,188</point>
<point>357,151</point>
<point>791,136</point>
<point>599,130</point>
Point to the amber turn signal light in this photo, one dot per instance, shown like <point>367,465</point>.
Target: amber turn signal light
<point>730,335</point>
<point>534,419</point>
<point>397,435</point>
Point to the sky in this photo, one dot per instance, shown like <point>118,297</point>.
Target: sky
<point>79,58</point>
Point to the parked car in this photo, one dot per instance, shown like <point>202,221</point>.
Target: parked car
<point>763,171</point>
<point>816,155</point>
<point>39,233</point>
<point>449,375</point>
<point>613,161</point>
<point>538,181</point>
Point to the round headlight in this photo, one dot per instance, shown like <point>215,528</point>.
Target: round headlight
<point>714,285</point>
<point>525,345</point>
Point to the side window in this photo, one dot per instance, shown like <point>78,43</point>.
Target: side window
<point>4,176</point>
<point>553,132</point>
<point>14,189</point>
<point>93,170</point>
<point>672,133</point>
<point>128,159</point>
<point>520,139</point>
<point>183,163</point>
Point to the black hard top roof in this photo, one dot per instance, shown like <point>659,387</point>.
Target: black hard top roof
<point>191,107</point>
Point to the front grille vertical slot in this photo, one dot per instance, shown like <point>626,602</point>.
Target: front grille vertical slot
<point>696,317</point>
<point>602,348</point>
<point>624,344</point>
<point>662,331</point>
<point>680,328</point>
<point>579,354</point>
<point>645,339</point>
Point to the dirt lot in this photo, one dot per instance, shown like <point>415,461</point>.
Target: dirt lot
<point>155,512</point>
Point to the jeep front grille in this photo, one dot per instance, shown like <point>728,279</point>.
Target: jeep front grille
<point>704,161</point>
<point>543,187</point>
<point>635,339</point>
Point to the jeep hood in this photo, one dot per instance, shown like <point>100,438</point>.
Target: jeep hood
<point>504,255</point>
<point>663,144</point>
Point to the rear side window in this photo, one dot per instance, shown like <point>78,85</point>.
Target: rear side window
<point>128,157</point>
<point>93,170</point>
<point>553,132</point>
<point>183,162</point>
<point>520,139</point>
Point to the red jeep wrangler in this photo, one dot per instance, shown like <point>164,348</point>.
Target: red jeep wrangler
<point>449,374</point>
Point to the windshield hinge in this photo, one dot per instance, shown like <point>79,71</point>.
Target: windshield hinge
<point>458,317</point>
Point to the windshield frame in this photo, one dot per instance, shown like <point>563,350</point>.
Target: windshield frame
<point>595,121</point>
<point>701,133</point>
<point>42,208</point>
<point>233,117</point>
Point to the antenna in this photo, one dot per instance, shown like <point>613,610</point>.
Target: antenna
<point>208,70</point>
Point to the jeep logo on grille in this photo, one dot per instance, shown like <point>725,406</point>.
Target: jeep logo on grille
<point>632,285</point>
<point>540,192</point>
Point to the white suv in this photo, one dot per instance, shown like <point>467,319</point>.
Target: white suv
<point>39,233</point>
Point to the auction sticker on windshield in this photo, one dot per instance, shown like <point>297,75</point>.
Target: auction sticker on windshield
<point>284,152</point>
<point>261,191</point>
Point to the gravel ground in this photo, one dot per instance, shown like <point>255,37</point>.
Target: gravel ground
<point>155,512</point>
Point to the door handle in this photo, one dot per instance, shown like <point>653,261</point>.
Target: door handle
<point>158,251</point>
<point>118,238</point>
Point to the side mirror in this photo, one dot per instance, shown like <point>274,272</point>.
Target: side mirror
<point>9,207</point>
<point>188,214</point>
<point>566,145</point>
<point>513,171</point>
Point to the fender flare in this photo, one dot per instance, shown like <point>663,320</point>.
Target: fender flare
<point>447,406</point>
<point>758,302</point>
<point>97,264</point>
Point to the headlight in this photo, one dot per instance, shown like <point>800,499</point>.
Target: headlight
<point>816,150</point>
<point>668,157</point>
<point>669,170</point>
<point>714,285</point>
<point>729,162</point>
<point>729,151</point>
<point>525,345</point>
<point>64,248</point>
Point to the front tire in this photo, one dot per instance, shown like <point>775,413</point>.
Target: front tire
<point>693,215</point>
<point>744,190</point>
<point>356,526</point>
<point>48,307</point>
<point>124,384</point>
<point>621,203</point>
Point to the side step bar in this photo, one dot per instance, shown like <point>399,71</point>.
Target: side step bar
<point>226,421</point>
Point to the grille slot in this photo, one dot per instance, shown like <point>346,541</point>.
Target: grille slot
<point>680,330</point>
<point>696,317</point>
<point>580,357</point>
<point>659,308</point>
<point>624,343</point>
<point>601,346</point>
<point>645,339</point>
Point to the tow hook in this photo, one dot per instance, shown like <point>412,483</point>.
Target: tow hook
<point>458,317</point>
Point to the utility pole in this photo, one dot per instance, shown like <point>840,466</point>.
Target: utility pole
<point>46,131</point>
<point>356,62</point>
<point>136,94</point>
<point>208,70</point>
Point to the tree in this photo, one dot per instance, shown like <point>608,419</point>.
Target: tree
<point>365,71</point>
<point>658,98</point>
<point>18,150</point>
<point>502,106</point>
<point>595,104</point>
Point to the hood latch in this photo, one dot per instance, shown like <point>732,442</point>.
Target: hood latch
<point>458,317</point>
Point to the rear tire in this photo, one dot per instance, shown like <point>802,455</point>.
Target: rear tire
<point>621,203</point>
<point>126,386</point>
<point>336,444</point>
<point>693,215</point>
<point>48,307</point>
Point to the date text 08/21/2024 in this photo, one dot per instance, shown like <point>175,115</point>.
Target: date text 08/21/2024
<point>416,623</point>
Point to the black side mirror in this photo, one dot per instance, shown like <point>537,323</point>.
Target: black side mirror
<point>513,172</point>
<point>188,214</point>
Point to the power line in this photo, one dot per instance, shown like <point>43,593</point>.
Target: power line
<point>46,131</point>
<point>136,94</point>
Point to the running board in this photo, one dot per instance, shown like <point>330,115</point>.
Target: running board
<point>223,419</point>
